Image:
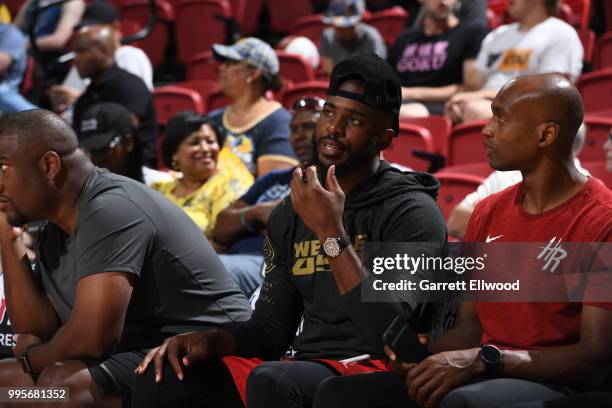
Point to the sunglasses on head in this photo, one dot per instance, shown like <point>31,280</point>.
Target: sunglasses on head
<point>311,103</point>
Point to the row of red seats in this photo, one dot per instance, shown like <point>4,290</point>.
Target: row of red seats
<point>461,145</point>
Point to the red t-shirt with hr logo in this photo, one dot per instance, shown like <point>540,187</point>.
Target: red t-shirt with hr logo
<point>585,217</point>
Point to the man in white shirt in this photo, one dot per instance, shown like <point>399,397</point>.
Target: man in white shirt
<point>536,43</point>
<point>127,57</point>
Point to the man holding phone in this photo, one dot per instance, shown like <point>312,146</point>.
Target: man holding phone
<point>349,197</point>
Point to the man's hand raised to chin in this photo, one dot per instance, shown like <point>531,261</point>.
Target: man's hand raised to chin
<point>11,237</point>
<point>321,209</point>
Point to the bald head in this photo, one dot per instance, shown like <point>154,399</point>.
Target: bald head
<point>38,131</point>
<point>548,98</point>
<point>98,35</point>
<point>94,49</point>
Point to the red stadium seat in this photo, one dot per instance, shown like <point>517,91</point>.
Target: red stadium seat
<point>389,23</point>
<point>129,27</point>
<point>465,144</point>
<point>453,188</point>
<point>581,10</point>
<point>600,171</point>
<point>216,100</point>
<point>439,127</point>
<point>607,5</point>
<point>28,77</point>
<point>603,52</point>
<point>411,137</point>
<point>587,38</point>
<point>294,68</point>
<point>247,15</point>
<point>154,45</point>
<point>170,100</point>
<point>598,129</point>
<point>596,90</point>
<point>301,90</point>
<point>309,26</point>
<point>203,66</point>
<point>199,25</point>
<point>284,13</point>
<point>498,6</point>
<point>474,169</point>
<point>202,86</point>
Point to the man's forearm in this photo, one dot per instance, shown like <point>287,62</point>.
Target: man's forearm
<point>29,309</point>
<point>71,343</point>
<point>228,228</point>
<point>572,365</point>
<point>430,94</point>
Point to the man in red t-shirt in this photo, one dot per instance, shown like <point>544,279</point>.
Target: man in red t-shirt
<point>500,354</point>
<point>534,122</point>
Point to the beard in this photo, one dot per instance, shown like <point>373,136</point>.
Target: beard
<point>14,217</point>
<point>354,160</point>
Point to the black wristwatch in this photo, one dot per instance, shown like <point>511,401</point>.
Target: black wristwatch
<point>25,361</point>
<point>493,360</point>
<point>333,246</point>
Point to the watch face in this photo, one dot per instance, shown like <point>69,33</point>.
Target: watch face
<point>490,354</point>
<point>331,247</point>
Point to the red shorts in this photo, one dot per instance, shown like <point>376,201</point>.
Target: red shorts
<point>240,368</point>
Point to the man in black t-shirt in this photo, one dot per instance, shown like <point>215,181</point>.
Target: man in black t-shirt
<point>119,267</point>
<point>433,58</point>
<point>94,47</point>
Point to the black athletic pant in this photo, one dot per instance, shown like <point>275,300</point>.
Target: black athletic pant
<point>207,384</point>
<point>386,390</point>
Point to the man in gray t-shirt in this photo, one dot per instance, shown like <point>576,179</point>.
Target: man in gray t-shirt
<point>119,268</point>
<point>348,36</point>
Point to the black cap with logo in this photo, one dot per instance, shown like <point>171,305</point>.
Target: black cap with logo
<point>383,90</point>
<point>103,124</point>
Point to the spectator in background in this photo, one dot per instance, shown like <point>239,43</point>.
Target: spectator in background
<point>348,37</point>
<point>468,11</point>
<point>303,47</point>
<point>54,25</point>
<point>242,225</point>
<point>52,30</point>
<point>536,43</point>
<point>257,129</point>
<point>127,57</point>
<point>95,47</point>
<point>496,182</point>
<point>434,59</point>
<point>107,133</point>
<point>13,61</point>
<point>191,146</point>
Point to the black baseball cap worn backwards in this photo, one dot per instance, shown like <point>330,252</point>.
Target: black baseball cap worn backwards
<point>382,85</point>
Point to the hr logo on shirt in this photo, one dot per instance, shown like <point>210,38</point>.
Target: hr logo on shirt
<point>309,256</point>
<point>553,252</point>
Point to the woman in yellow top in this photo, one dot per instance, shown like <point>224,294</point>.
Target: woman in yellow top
<point>203,189</point>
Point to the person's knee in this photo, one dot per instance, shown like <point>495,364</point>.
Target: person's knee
<point>271,385</point>
<point>457,398</point>
<point>332,392</point>
<point>477,109</point>
<point>11,373</point>
<point>63,374</point>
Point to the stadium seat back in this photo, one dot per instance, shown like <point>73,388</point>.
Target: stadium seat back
<point>453,188</point>
<point>411,137</point>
